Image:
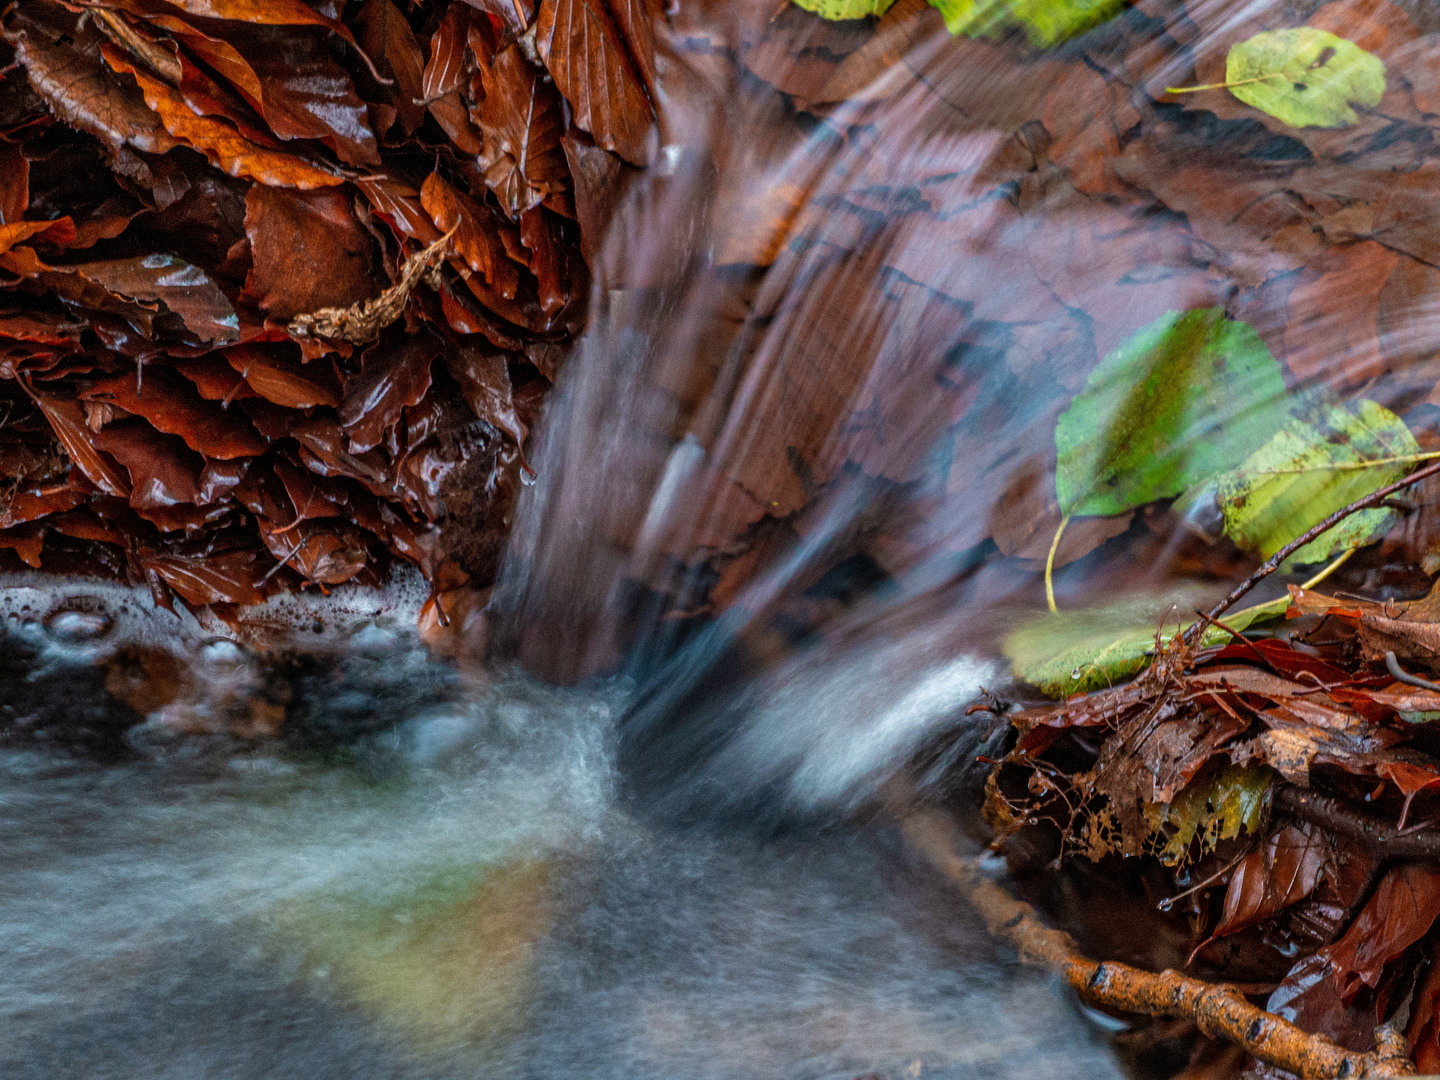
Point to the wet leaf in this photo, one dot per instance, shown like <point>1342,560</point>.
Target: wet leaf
<point>163,471</point>
<point>185,289</point>
<point>327,552</point>
<point>218,139</point>
<point>1184,398</point>
<point>67,420</point>
<point>1271,878</point>
<point>171,404</point>
<point>520,116</point>
<point>309,251</point>
<point>387,38</point>
<point>579,43</point>
<point>1292,482</point>
<point>1046,22</point>
<point>846,9</point>
<point>447,69</point>
<point>392,376</point>
<point>285,381</point>
<point>1305,77</point>
<point>1405,905</point>
<point>230,577</point>
<point>1213,807</point>
<point>477,233</point>
<point>484,380</point>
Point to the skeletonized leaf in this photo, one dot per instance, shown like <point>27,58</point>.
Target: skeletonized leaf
<point>1305,77</point>
<point>1292,482</point>
<point>1184,398</point>
<point>1214,806</point>
<point>586,56</point>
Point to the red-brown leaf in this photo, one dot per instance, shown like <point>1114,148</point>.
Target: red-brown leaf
<point>387,37</point>
<point>171,404</point>
<point>580,45</point>
<point>400,205</point>
<point>477,236</point>
<point>514,16</point>
<point>284,381</point>
<point>391,377</point>
<point>1269,879</point>
<point>14,183</point>
<point>446,69</point>
<point>309,251</point>
<point>230,577</point>
<point>219,141</point>
<point>520,116</point>
<point>215,379</point>
<point>484,380</point>
<point>163,471</point>
<point>327,552</point>
<point>183,288</point>
<point>67,420</point>
<point>1405,905</point>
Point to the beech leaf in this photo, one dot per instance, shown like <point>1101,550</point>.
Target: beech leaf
<point>1046,22</point>
<point>1307,471</point>
<point>1184,398</point>
<point>1305,77</point>
<point>837,10</point>
<point>1215,806</point>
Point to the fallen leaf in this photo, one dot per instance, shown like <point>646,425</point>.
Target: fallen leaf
<point>1292,482</point>
<point>1282,872</point>
<point>285,381</point>
<point>1213,807</point>
<point>230,577</point>
<point>309,251</point>
<point>1405,905</point>
<point>484,379</point>
<point>386,36</point>
<point>171,404</point>
<point>1304,76</point>
<point>183,288</point>
<point>520,116</point>
<point>67,420</point>
<point>579,43</point>
<point>477,233</point>
<point>1185,398</point>
<point>1046,22</point>
<point>846,9</point>
<point>163,471</point>
<point>392,376</point>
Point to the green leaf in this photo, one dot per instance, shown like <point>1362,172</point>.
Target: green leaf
<point>1216,805</point>
<point>1074,652</point>
<point>1046,22</point>
<point>836,10</point>
<point>1184,398</point>
<point>1305,77</point>
<point>1307,471</point>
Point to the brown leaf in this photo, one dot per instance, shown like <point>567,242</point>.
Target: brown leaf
<point>84,95</point>
<point>181,287</point>
<point>560,275</point>
<point>399,204</point>
<point>311,496</point>
<point>163,471</point>
<point>514,16</point>
<point>477,233</point>
<point>599,179</point>
<point>392,376</point>
<point>326,552</point>
<point>580,45</point>
<point>1283,872</point>
<point>447,68</point>
<point>215,379</point>
<point>218,140</point>
<point>27,541</point>
<point>484,380</point>
<point>1405,905</point>
<point>1332,335</point>
<point>67,420</point>
<point>1309,998</point>
<point>171,404</point>
<point>387,37</point>
<point>230,577</point>
<point>60,231</point>
<point>14,183</point>
<point>309,251</point>
<point>451,113</point>
<point>284,381</point>
<point>520,117</point>
<point>635,19</point>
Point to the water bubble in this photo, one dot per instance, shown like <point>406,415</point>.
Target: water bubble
<point>76,627</point>
<point>221,652</point>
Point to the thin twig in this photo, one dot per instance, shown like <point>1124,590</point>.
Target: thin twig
<point>1379,837</point>
<point>1270,565</point>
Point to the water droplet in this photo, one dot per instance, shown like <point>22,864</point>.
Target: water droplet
<point>1166,904</point>
<point>76,627</point>
<point>1075,674</point>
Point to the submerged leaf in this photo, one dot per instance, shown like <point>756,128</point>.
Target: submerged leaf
<point>846,9</point>
<point>1046,22</point>
<point>1305,77</point>
<point>1184,398</point>
<point>1307,471</point>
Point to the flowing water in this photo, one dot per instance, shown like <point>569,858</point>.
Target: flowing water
<point>765,562</point>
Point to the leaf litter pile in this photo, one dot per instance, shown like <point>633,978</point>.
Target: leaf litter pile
<point>1099,303</point>
<point>282,287</point>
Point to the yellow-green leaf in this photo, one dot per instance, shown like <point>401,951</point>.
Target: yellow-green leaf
<point>1215,806</point>
<point>1305,77</point>
<point>1046,22</point>
<point>1074,652</point>
<point>837,10</point>
<point>1314,465</point>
